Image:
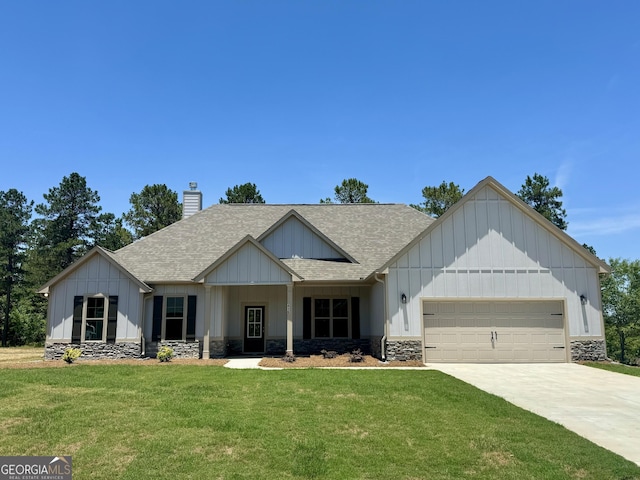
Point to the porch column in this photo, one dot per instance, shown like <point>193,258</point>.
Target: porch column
<point>290,319</point>
<point>207,321</point>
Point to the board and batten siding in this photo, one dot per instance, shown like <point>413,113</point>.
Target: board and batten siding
<point>377,309</point>
<point>490,249</point>
<point>97,276</point>
<point>247,266</point>
<point>293,239</point>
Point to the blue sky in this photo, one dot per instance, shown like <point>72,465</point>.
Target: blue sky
<point>297,95</point>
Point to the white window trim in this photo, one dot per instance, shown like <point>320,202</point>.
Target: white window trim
<point>185,306</point>
<point>85,307</point>
<point>313,316</point>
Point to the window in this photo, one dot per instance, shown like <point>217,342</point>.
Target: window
<point>331,317</point>
<point>174,319</point>
<point>94,324</point>
<point>95,319</point>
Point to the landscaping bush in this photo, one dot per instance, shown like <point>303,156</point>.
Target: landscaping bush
<point>289,358</point>
<point>356,356</point>
<point>328,354</point>
<point>165,354</point>
<point>71,354</point>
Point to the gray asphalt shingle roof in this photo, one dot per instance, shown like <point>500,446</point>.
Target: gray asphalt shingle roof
<point>370,233</point>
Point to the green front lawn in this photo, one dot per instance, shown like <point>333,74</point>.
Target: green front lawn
<point>189,421</point>
<point>615,367</point>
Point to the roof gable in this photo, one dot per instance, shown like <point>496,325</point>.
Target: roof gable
<point>106,254</point>
<point>497,190</point>
<point>248,262</point>
<point>294,237</point>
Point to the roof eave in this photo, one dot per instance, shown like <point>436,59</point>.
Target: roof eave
<point>97,250</point>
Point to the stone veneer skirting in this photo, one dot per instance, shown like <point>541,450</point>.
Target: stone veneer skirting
<point>217,349</point>
<point>581,350</point>
<point>404,350</point>
<point>376,346</point>
<point>340,345</point>
<point>588,350</point>
<point>180,349</point>
<point>94,350</point>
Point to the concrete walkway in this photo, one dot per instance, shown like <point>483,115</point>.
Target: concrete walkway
<point>603,407</point>
<point>243,362</point>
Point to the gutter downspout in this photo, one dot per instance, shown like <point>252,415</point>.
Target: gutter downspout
<point>383,340</point>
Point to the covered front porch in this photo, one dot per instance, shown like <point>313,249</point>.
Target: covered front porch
<point>285,319</point>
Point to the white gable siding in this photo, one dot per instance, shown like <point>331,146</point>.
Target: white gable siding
<point>491,249</point>
<point>248,266</point>
<point>97,276</point>
<point>293,239</point>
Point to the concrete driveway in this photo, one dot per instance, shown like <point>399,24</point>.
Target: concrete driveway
<point>603,407</point>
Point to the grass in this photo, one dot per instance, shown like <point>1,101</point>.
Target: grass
<point>20,354</point>
<point>615,367</point>
<point>208,422</point>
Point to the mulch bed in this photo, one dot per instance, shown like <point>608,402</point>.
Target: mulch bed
<point>312,361</point>
<point>318,361</point>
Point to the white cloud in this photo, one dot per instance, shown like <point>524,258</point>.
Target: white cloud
<point>563,174</point>
<point>605,225</point>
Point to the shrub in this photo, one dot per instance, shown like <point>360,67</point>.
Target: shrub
<point>289,358</point>
<point>356,356</point>
<point>165,354</point>
<point>71,354</point>
<point>329,353</point>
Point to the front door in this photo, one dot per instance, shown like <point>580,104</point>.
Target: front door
<point>253,329</point>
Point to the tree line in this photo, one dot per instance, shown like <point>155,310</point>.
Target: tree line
<point>70,221</point>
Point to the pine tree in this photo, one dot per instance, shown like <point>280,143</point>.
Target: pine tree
<point>438,200</point>
<point>544,199</point>
<point>155,207</point>
<point>15,213</point>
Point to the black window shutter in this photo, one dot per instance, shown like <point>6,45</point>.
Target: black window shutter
<point>191,317</point>
<point>157,318</point>
<point>112,319</point>
<point>355,317</point>
<point>76,331</point>
<point>306,317</point>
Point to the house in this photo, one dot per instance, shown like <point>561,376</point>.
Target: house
<point>491,280</point>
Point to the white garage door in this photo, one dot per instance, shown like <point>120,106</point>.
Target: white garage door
<point>494,331</point>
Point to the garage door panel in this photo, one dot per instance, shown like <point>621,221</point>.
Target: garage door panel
<point>524,331</point>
